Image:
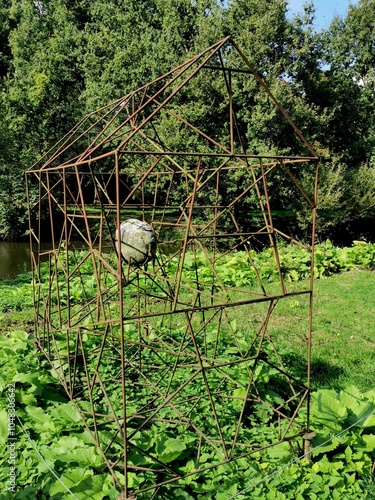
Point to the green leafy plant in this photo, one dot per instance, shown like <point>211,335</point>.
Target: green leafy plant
<point>340,468</point>
<point>50,425</point>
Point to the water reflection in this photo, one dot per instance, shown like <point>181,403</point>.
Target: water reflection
<point>15,258</point>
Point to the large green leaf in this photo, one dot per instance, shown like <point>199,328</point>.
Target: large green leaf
<point>83,456</point>
<point>369,440</point>
<point>281,452</point>
<point>29,378</point>
<point>93,488</point>
<point>71,478</point>
<point>369,422</point>
<point>42,420</point>
<point>169,449</point>
<point>3,426</point>
<point>66,412</point>
<point>329,407</point>
<point>67,443</point>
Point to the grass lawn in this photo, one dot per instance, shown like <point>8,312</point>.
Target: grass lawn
<point>343,346</point>
<point>344,330</point>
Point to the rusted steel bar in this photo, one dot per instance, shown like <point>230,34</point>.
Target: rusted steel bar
<point>279,107</point>
<point>310,328</point>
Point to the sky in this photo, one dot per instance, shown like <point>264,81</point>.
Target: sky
<point>325,10</point>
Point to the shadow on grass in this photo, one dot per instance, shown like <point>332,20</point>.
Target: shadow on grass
<point>323,374</point>
<point>326,375</point>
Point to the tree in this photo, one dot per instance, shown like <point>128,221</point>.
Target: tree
<point>350,54</point>
<point>60,60</point>
<point>41,89</point>
<point>349,95</point>
<point>130,43</point>
<point>5,28</point>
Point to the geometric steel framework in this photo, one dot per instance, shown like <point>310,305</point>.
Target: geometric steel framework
<point>160,346</point>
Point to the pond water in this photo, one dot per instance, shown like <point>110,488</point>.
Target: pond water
<point>14,259</point>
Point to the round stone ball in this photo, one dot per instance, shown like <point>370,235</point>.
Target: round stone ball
<point>138,241</point>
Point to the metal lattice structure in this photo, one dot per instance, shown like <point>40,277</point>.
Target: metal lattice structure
<point>160,346</point>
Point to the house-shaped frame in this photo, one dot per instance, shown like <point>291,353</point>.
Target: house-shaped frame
<point>172,365</point>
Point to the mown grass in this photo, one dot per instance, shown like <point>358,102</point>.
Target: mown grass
<point>343,337</point>
<point>344,330</point>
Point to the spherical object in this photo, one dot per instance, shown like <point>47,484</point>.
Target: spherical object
<point>138,241</point>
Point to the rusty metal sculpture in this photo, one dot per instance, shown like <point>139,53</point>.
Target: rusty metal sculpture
<point>144,344</point>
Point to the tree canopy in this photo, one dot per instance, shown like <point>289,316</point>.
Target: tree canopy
<point>60,60</point>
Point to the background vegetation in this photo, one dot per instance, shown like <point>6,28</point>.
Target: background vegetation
<point>60,60</point>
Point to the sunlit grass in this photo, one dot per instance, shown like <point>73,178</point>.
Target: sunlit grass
<point>343,338</point>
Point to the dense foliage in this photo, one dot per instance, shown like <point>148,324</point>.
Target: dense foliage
<point>49,435</point>
<point>52,437</point>
<point>60,60</point>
